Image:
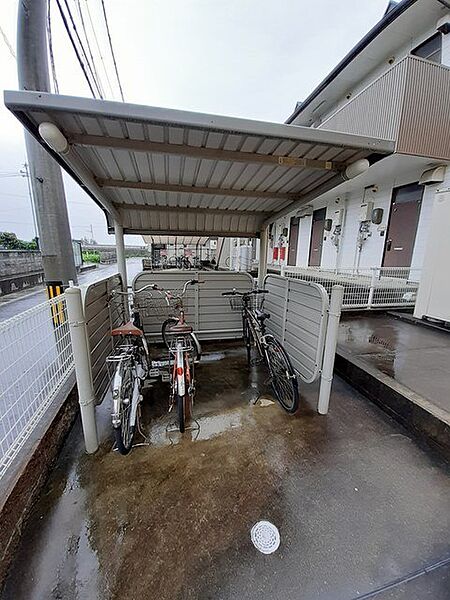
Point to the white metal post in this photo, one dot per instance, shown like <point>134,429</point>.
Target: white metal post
<point>120,251</point>
<point>263,248</point>
<point>372,287</point>
<point>83,372</point>
<point>334,315</point>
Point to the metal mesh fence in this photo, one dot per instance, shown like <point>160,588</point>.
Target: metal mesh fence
<point>35,362</point>
<point>376,287</point>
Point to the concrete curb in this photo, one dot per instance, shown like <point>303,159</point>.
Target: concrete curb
<point>423,419</point>
<point>24,487</point>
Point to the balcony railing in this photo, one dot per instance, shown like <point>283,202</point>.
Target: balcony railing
<point>364,288</point>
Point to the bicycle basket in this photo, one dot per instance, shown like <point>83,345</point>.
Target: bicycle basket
<point>253,302</point>
<point>156,303</point>
<point>235,302</point>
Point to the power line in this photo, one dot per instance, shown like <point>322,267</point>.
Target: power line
<point>80,12</point>
<point>50,48</point>
<point>99,49</point>
<point>112,50</point>
<point>10,48</point>
<point>69,33</point>
<point>82,48</point>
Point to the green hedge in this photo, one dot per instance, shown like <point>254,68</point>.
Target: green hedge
<point>91,257</point>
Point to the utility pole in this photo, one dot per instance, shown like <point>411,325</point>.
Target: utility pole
<point>55,240</point>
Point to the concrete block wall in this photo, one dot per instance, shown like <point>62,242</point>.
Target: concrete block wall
<point>19,262</point>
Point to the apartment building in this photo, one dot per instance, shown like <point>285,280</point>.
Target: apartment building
<point>395,84</point>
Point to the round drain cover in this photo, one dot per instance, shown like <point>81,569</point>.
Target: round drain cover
<point>265,537</point>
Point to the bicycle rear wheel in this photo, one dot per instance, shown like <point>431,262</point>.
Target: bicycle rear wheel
<point>183,411</point>
<point>124,431</point>
<point>284,379</point>
<point>167,337</point>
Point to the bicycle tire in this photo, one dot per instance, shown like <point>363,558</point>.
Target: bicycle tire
<point>248,341</point>
<point>181,413</point>
<point>166,337</point>
<point>124,433</point>
<point>283,377</point>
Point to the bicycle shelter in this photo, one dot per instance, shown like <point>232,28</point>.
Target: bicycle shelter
<point>162,172</point>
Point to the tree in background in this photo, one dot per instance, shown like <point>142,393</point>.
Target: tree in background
<point>10,241</point>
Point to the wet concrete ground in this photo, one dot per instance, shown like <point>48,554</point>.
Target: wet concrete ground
<point>416,357</point>
<point>358,504</point>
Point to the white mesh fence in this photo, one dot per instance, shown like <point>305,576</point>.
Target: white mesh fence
<point>35,362</point>
<point>376,287</point>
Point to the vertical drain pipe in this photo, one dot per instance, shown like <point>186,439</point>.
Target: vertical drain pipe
<point>334,315</point>
<point>81,358</point>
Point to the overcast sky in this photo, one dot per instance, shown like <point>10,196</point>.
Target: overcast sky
<point>245,58</point>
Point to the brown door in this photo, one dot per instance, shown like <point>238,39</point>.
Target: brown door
<point>293,241</point>
<point>403,220</point>
<point>317,229</point>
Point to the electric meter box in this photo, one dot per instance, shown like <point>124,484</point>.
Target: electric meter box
<point>365,211</point>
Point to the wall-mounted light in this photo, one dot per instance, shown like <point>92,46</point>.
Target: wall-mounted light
<point>53,137</point>
<point>328,224</point>
<point>357,168</point>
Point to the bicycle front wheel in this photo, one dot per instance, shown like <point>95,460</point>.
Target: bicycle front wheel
<point>284,379</point>
<point>248,340</point>
<point>124,430</point>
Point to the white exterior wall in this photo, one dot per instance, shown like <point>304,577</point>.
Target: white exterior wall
<point>373,248</point>
<point>372,251</point>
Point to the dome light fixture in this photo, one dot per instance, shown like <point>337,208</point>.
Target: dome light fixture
<point>357,168</point>
<point>54,138</point>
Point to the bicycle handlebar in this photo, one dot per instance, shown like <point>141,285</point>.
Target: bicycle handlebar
<point>237,293</point>
<point>155,287</point>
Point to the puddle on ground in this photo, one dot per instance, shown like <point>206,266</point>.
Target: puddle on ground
<point>165,432</point>
<point>212,356</point>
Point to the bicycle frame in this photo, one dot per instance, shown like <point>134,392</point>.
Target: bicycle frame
<point>181,371</point>
<point>257,330</point>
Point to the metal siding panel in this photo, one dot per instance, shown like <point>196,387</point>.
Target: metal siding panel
<point>216,319</point>
<point>377,109</point>
<point>425,123</point>
<point>100,319</point>
<point>298,319</point>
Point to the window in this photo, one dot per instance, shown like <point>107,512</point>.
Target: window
<point>431,49</point>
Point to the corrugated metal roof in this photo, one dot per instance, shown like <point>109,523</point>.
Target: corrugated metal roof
<point>169,172</point>
<point>178,240</point>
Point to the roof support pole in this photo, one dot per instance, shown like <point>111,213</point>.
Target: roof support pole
<point>326,379</point>
<point>120,251</point>
<point>83,369</point>
<point>45,174</point>
<point>263,249</point>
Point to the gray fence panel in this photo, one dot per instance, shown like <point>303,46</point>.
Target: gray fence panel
<point>102,313</point>
<point>205,307</point>
<point>298,318</point>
